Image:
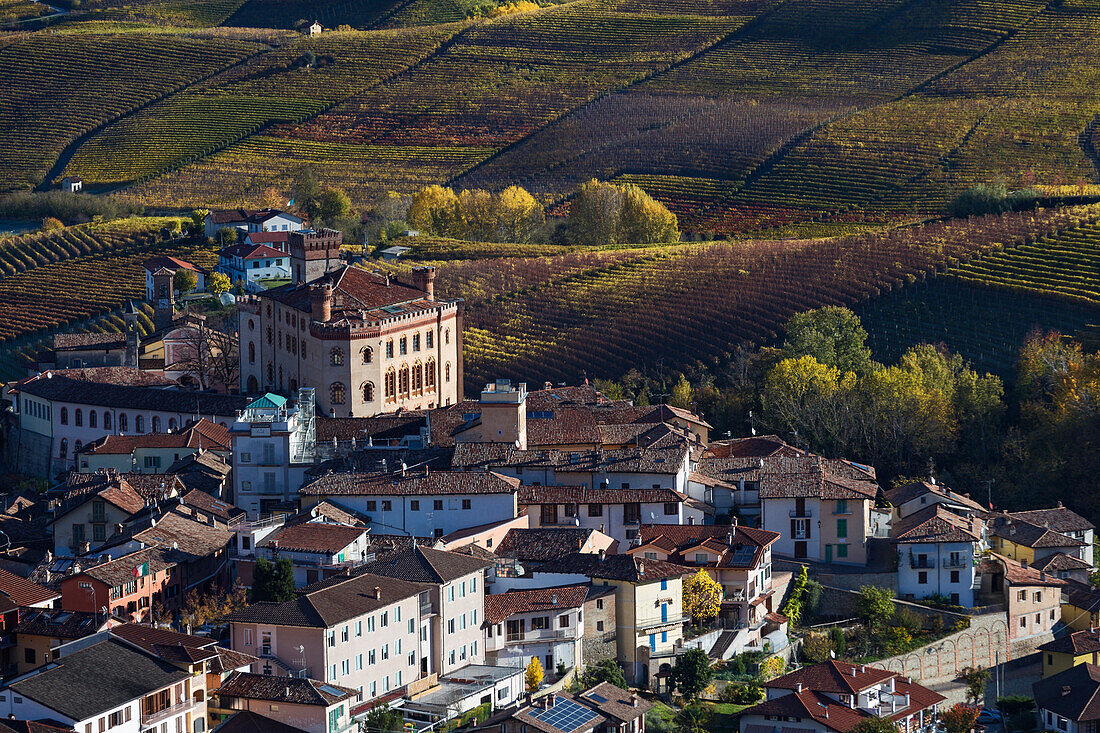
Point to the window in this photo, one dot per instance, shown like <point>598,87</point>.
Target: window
<point>336,391</point>
<point>28,656</point>
<point>387,505</point>
<point>372,506</point>
<point>418,377</point>
<point>93,419</point>
<point>954,576</point>
<point>403,381</point>
<point>1038,596</point>
<point>358,662</point>
<point>385,619</point>
<point>358,628</point>
<point>367,353</point>
<point>437,505</point>
<point>332,638</point>
<point>563,621</point>
<point>842,528</point>
<point>64,415</point>
<point>336,357</point>
<point>922,578</point>
<point>700,557</point>
<point>385,652</point>
<point>416,342</point>
<point>1021,595</point>
<point>664,584</point>
<point>368,392</point>
<point>78,418</point>
<point>428,339</point>
<point>371,656</point>
<point>403,346</point>
<point>671,508</point>
<point>447,372</point>
<point>391,384</point>
<point>447,336</point>
<point>414,505</point>
<point>1038,619</point>
<point>251,353</point>
<point>595,510</point>
<point>389,349</point>
<point>1023,622</point>
<point>466,504</point>
<point>156,423</point>
<point>107,421</point>
<point>345,633</point>
<point>139,423</point>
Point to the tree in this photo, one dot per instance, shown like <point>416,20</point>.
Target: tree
<point>534,674</point>
<point>683,396</point>
<point>198,221</point>
<point>226,237</point>
<point>605,670</point>
<point>959,718</point>
<point>306,191</point>
<point>816,648</point>
<point>51,224</point>
<point>702,597</point>
<point>875,605</point>
<point>273,582</point>
<point>874,724</point>
<point>833,335</point>
<point>434,210</point>
<point>692,673</point>
<point>692,719</point>
<point>333,204</point>
<point>209,356</point>
<point>595,213</point>
<point>384,719</point>
<point>975,679</point>
<point>218,283</point>
<point>185,280</point>
<point>519,216</point>
<point>644,220</point>
<point>792,609</point>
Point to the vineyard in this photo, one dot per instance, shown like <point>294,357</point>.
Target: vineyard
<point>12,11</point>
<point>556,318</point>
<point>92,79</point>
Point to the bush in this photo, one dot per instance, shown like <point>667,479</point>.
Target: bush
<point>839,642</point>
<point>908,619</point>
<point>992,198</point>
<point>51,224</point>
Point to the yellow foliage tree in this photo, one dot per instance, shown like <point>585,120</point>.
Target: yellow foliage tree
<point>702,597</point>
<point>218,283</point>
<point>434,210</point>
<point>644,220</point>
<point>519,216</point>
<point>50,224</point>
<point>534,674</point>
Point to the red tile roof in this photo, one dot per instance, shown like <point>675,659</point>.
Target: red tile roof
<point>358,296</point>
<point>833,676</point>
<point>679,540</point>
<point>1016,573</point>
<point>500,606</point>
<point>1085,641</point>
<point>936,524</point>
<point>413,483</point>
<point>583,495</point>
<point>316,537</point>
<point>170,263</point>
<point>24,592</point>
<point>250,251</point>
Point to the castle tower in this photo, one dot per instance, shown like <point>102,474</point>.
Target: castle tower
<point>130,316</point>
<point>423,278</point>
<point>164,299</point>
<point>313,253</point>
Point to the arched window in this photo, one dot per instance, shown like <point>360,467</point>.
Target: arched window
<point>447,373</point>
<point>404,346</point>
<point>368,354</point>
<point>270,338</point>
<point>64,415</point>
<point>156,423</point>
<point>270,372</point>
<point>337,357</point>
<point>447,337</point>
<point>391,384</point>
<point>280,376</point>
<point>428,339</point>
<point>416,342</point>
<point>280,339</point>
<point>171,424</point>
<point>389,349</point>
<point>93,419</point>
<point>64,447</point>
<point>106,420</point>
<point>336,391</point>
<point>251,353</point>
<point>78,417</point>
<point>368,392</point>
<point>429,375</point>
<point>403,381</point>
<point>251,325</point>
<point>139,423</point>
<point>253,385</point>
<point>418,378</point>
<point>77,446</point>
<point>303,348</point>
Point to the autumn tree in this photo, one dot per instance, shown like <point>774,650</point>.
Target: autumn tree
<point>959,718</point>
<point>519,216</point>
<point>975,679</point>
<point>644,220</point>
<point>218,283</point>
<point>534,674</point>
<point>434,210</point>
<point>52,224</point>
<point>702,597</point>
<point>603,213</point>
<point>683,395</point>
<point>209,356</point>
<point>185,280</point>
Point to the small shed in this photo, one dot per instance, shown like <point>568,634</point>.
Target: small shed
<point>71,184</point>
<point>314,29</point>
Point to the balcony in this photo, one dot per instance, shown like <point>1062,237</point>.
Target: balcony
<point>800,514</point>
<point>542,635</point>
<point>737,596</point>
<point>427,609</point>
<point>152,719</point>
<point>922,563</point>
<point>654,623</point>
<point>958,562</point>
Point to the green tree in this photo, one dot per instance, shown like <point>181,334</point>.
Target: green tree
<point>306,192</point>
<point>692,673</point>
<point>605,670</point>
<point>273,581</point>
<point>874,724</point>
<point>333,204</point>
<point>875,605</point>
<point>838,640</point>
<point>683,396</point>
<point>198,220</point>
<point>833,335</point>
<point>692,719</point>
<point>185,280</point>
<point>384,719</point>
<point>792,609</point>
<point>801,395</point>
<point>226,237</point>
<point>975,679</point>
<point>702,597</point>
<point>218,283</point>
<point>595,213</point>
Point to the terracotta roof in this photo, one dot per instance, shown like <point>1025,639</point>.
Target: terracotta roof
<point>380,428</point>
<point>936,524</point>
<point>1071,693</point>
<point>229,660</point>
<point>762,446</point>
<point>425,565</point>
<point>1077,642</point>
<point>168,645</point>
<point>614,567</point>
<point>417,482</point>
<point>121,570</point>
<point>909,492</point>
<point>665,455</point>
<point>1057,518</point>
<point>537,717</point>
<point>126,393</point>
<point>1016,573</point>
<point>153,485</point>
<point>1023,532</point>
<point>169,263</point>
<point>542,544</point>
<point>64,341</point>
<point>316,537</point>
<point>187,538</point>
<point>584,495</point>
<point>833,676</point>
<point>24,592</point>
<point>127,444</point>
<point>296,690</point>
<point>251,251</point>
<point>30,726</point>
<point>359,297</point>
<point>332,601</point>
<point>811,476</point>
<point>679,540</point>
<point>1060,561</point>
<point>333,512</point>
<point>247,721</point>
<point>221,509</point>
<point>500,606</point>
<point>267,237</point>
<point>615,702</point>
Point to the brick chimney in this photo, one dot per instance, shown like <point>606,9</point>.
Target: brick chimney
<point>320,302</point>
<point>377,593</point>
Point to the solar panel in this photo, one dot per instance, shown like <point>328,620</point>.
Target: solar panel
<point>332,690</point>
<point>597,698</point>
<point>743,555</point>
<point>565,715</point>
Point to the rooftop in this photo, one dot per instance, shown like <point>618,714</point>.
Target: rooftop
<point>614,567</point>
<point>915,490</point>
<point>500,606</point>
<point>1023,532</point>
<point>1086,641</point>
<point>415,482</point>
<point>735,546</point>
<point>121,387</point>
<point>543,544</point>
<point>1071,693</point>
<point>936,524</point>
<point>295,690</point>
<point>24,592</point>
<point>359,297</point>
<point>316,537</point>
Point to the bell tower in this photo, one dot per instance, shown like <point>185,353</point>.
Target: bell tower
<point>130,316</point>
<point>164,299</point>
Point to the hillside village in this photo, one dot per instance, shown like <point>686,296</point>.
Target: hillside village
<point>290,513</point>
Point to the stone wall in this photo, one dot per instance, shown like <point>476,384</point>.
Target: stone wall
<point>984,644</point>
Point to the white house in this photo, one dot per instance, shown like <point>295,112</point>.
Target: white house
<point>1069,702</point>
<point>251,220</point>
<point>937,554</point>
<point>72,184</point>
<point>542,623</point>
<point>273,444</point>
<point>316,548</point>
<point>249,264</point>
<point>912,498</point>
<point>419,501</point>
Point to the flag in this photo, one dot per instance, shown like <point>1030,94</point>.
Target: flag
<point>141,570</point>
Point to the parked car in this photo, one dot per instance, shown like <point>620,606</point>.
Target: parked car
<point>989,715</point>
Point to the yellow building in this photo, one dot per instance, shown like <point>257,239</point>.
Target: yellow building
<point>1080,606</point>
<point>1069,651</point>
<point>1027,542</point>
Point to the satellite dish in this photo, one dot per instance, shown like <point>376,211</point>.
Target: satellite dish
<point>227,299</point>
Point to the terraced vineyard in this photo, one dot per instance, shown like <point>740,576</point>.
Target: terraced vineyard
<point>330,13</point>
<point>57,87</point>
<point>561,317</point>
<point>28,251</point>
<point>12,11</point>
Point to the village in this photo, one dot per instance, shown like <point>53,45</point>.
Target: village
<point>286,511</point>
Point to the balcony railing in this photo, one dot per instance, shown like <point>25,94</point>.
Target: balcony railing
<point>165,713</point>
<point>928,563</point>
<point>541,635</point>
<point>737,596</point>
<point>956,562</point>
<point>800,513</point>
<point>653,623</point>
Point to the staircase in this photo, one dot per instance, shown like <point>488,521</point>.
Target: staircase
<point>725,641</point>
